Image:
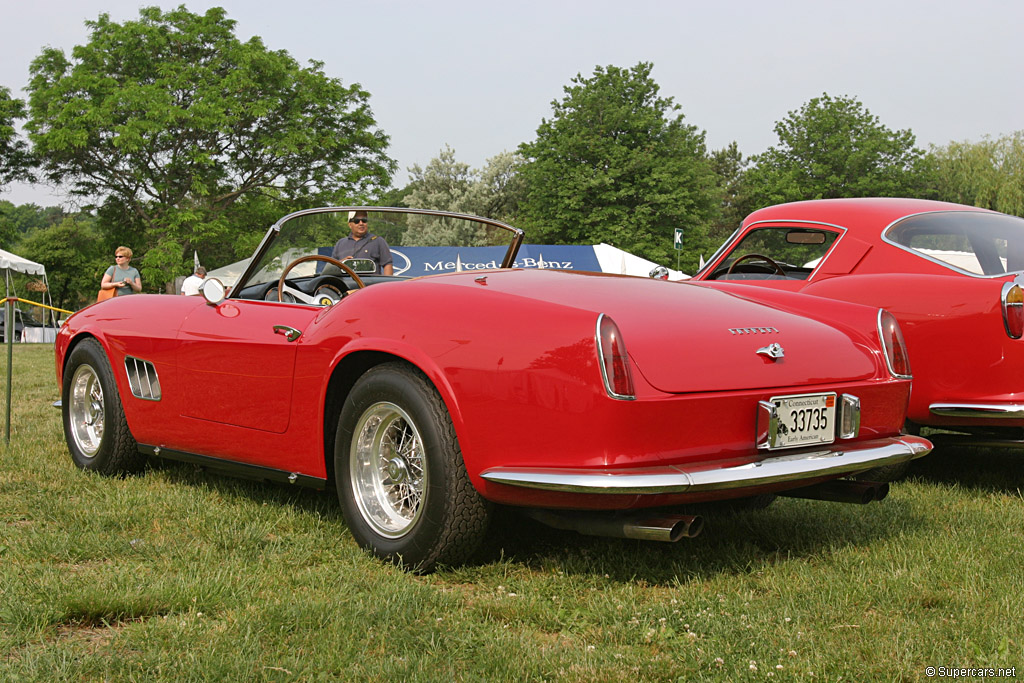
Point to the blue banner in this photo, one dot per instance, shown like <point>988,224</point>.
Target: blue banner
<point>416,261</point>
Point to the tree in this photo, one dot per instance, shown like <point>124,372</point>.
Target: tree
<point>15,162</point>
<point>173,123</point>
<point>730,167</point>
<point>988,174</point>
<point>74,256</point>
<point>449,185</point>
<point>835,147</point>
<point>616,164</point>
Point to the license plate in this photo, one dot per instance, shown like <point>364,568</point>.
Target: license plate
<point>793,421</point>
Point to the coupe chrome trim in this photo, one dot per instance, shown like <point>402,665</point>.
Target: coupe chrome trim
<point>142,379</point>
<point>1007,305</point>
<point>1004,411</point>
<point>701,477</point>
<point>920,254</point>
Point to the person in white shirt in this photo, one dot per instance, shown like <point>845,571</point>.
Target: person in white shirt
<point>191,285</point>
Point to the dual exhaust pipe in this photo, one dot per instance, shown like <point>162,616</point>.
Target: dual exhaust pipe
<point>669,528</point>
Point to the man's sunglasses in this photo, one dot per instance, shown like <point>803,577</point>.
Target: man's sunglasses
<point>358,220</point>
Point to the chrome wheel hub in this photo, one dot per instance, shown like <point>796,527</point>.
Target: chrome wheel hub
<point>85,411</point>
<point>387,469</point>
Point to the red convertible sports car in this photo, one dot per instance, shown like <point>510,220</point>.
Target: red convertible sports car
<point>950,274</point>
<point>600,403</point>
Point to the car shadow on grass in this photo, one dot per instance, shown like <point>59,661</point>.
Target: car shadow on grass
<point>986,470</point>
<point>731,542</point>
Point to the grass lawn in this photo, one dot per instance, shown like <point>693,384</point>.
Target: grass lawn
<point>184,575</point>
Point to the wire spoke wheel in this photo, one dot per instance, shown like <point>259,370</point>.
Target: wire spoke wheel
<point>387,469</point>
<point>401,479</point>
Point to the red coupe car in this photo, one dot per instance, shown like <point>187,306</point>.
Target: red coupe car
<point>599,403</point>
<point>950,274</point>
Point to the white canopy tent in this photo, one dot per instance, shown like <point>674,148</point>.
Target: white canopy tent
<point>12,263</point>
<point>615,260</point>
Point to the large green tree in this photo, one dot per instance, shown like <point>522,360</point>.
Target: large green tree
<point>835,147</point>
<point>988,174</point>
<point>178,129</point>
<point>617,164</point>
<point>15,162</point>
<point>446,184</point>
<point>75,258</point>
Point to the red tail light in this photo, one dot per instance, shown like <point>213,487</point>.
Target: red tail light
<point>611,352</point>
<point>1013,310</point>
<point>896,358</point>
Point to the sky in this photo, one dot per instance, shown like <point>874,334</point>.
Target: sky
<point>480,76</point>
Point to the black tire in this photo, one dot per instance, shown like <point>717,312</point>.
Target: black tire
<point>401,479</point>
<point>94,423</point>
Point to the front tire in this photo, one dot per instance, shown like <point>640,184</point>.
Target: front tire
<point>401,479</point>
<point>95,427</point>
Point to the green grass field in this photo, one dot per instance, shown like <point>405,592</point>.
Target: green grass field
<point>184,575</point>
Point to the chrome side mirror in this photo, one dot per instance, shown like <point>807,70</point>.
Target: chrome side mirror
<point>658,273</point>
<point>213,290</point>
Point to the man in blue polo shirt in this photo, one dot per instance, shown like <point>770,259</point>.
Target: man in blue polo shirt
<point>361,243</point>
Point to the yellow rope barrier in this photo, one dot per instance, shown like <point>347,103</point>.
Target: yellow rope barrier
<point>26,301</point>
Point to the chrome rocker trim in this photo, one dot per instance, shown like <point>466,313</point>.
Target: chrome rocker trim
<point>833,462</point>
<point>1004,411</point>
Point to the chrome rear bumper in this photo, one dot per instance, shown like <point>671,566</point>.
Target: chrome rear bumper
<point>1006,411</point>
<point>791,467</point>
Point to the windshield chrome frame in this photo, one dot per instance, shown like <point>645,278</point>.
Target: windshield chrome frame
<point>272,233</point>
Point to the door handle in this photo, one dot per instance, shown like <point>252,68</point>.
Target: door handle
<point>290,333</point>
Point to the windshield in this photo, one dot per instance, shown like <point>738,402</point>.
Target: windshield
<point>785,252</point>
<point>381,236</point>
<point>987,244</point>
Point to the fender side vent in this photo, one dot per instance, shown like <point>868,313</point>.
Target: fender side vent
<point>142,379</point>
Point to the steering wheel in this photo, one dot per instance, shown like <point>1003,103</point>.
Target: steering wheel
<point>761,257</point>
<point>281,287</point>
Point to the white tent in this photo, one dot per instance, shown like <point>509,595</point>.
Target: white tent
<point>615,260</point>
<point>9,261</point>
<point>13,263</point>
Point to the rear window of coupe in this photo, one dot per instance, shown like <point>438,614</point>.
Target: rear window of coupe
<point>988,244</point>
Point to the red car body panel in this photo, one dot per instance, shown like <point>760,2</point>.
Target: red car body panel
<point>952,321</point>
<point>516,358</point>
<point>236,390</point>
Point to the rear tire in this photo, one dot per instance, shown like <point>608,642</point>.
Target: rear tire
<point>95,427</point>
<point>401,479</point>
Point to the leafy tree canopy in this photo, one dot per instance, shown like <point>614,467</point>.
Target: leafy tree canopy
<point>835,147</point>
<point>173,123</point>
<point>15,221</point>
<point>988,174</point>
<point>616,164</point>
<point>730,167</point>
<point>15,162</point>
<point>75,258</point>
<point>449,185</point>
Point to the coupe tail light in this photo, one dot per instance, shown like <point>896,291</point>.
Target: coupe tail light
<point>611,352</point>
<point>1013,310</point>
<point>896,358</point>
